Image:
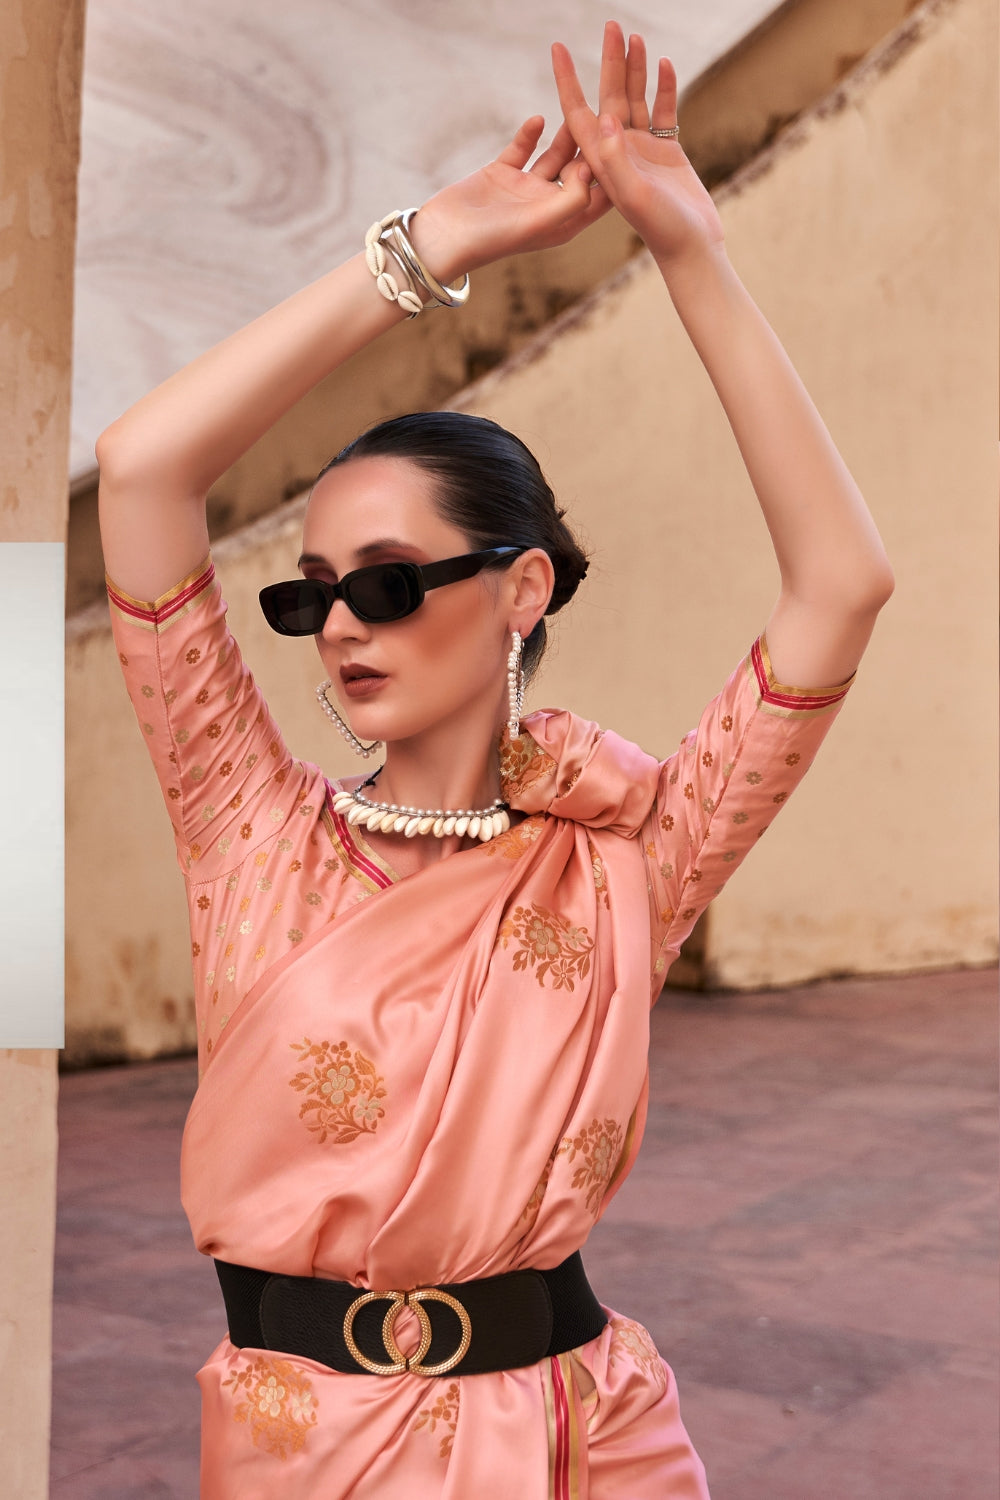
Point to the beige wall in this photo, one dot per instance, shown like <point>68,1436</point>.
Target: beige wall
<point>867,235</point>
<point>41,45</point>
<point>866,238</point>
<point>792,58</point>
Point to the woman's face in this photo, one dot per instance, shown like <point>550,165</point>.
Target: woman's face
<point>446,661</point>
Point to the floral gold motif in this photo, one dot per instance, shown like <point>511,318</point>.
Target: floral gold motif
<point>343,1091</point>
<point>513,843</point>
<point>534,1203</point>
<point>274,1398</point>
<point>445,1411</point>
<point>599,1146</point>
<point>522,763</point>
<point>549,944</point>
<point>632,1341</point>
<point>600,874</point>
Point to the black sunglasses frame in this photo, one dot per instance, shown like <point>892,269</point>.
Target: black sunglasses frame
<point>278,599</point>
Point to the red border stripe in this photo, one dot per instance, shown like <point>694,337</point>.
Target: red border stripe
<point>561,1404</point>
<point>128,607</point>
<point>344,832</point>
<point>788,700</point>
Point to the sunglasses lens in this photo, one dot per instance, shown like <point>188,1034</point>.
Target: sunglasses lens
<point>385,593</point>
<point>388,591</point>
<point>299,607</point>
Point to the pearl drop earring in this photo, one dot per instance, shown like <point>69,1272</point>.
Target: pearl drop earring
<point>356,745</point>
<point>515,686</point>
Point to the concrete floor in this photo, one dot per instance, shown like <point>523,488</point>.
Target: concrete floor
<point>809,1234</point>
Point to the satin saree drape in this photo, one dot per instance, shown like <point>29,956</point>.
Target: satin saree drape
<point>408,1082</point>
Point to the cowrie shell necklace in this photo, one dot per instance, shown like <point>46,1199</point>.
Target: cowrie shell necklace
<point>387,817</point>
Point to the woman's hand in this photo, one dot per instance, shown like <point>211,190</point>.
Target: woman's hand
<point>504,209</point>
<point>648,179</point>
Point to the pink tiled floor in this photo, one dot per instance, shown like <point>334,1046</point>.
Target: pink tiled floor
<point>809,1234</point>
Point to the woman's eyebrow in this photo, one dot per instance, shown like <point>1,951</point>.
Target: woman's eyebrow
<point>386,544</point>
<point>370,549</point>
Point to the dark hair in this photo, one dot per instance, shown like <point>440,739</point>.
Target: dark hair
<point>490,486</point>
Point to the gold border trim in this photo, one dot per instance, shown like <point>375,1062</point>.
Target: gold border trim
<point>796,692</point>
<point>171,593</point>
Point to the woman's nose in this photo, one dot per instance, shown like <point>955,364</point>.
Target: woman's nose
<point>342,624</point>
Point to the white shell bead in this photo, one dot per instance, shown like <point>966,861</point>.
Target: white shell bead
<point>474,827</point>
<point>411,827</point>
<point>357,812</point>
<point>342,802</point>
<point>387,822</point>
<point>501,823</point>
<point>375,257</point>
<point>426,824</point>
<point>400,823</point>
<point>486,829</point>
<point>460,826</point>
<point>439,828</point>
<point>449,827</point>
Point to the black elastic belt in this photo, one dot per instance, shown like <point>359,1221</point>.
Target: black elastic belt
<point>468,1327</point>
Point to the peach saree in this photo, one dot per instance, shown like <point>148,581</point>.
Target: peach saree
<point>412,1082</point>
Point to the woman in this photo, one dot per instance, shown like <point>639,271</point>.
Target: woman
<point>423,995</point>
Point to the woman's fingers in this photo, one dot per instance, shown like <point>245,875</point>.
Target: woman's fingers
<point>613,92</point>
<point>665,103</point>
<point>522,147</point>
<point>635,83</point>
<point>556,155</point>
<point>576,111</point>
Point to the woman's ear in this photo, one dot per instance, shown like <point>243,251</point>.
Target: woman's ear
<point>533,578</point>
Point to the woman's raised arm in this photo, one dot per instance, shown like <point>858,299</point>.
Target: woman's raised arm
<point>835,575</point>
<point>161,457</point>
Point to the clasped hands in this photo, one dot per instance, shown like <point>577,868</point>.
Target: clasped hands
<point>593,162</point>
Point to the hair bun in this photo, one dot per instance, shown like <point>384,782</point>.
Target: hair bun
<point>570,570</point>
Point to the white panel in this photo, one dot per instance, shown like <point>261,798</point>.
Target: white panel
<point>32,591</point>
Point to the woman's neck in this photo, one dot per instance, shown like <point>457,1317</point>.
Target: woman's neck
<point>440,770</point>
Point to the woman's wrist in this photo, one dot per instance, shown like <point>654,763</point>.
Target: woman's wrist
<point>696,271</point>
<point>436,242</point>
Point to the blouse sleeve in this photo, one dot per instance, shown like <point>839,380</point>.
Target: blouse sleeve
<point>721,790</point>
<point>220,759</point>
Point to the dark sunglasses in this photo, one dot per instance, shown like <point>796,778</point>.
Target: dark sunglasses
<point>387,591</point>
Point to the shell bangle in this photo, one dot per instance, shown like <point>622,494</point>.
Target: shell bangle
<point>394,289</point>
<point>441,296</point>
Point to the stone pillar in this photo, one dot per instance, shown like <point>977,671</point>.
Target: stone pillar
<point>41,56</point>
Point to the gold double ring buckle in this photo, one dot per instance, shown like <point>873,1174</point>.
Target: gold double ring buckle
<point>401,1361</point>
